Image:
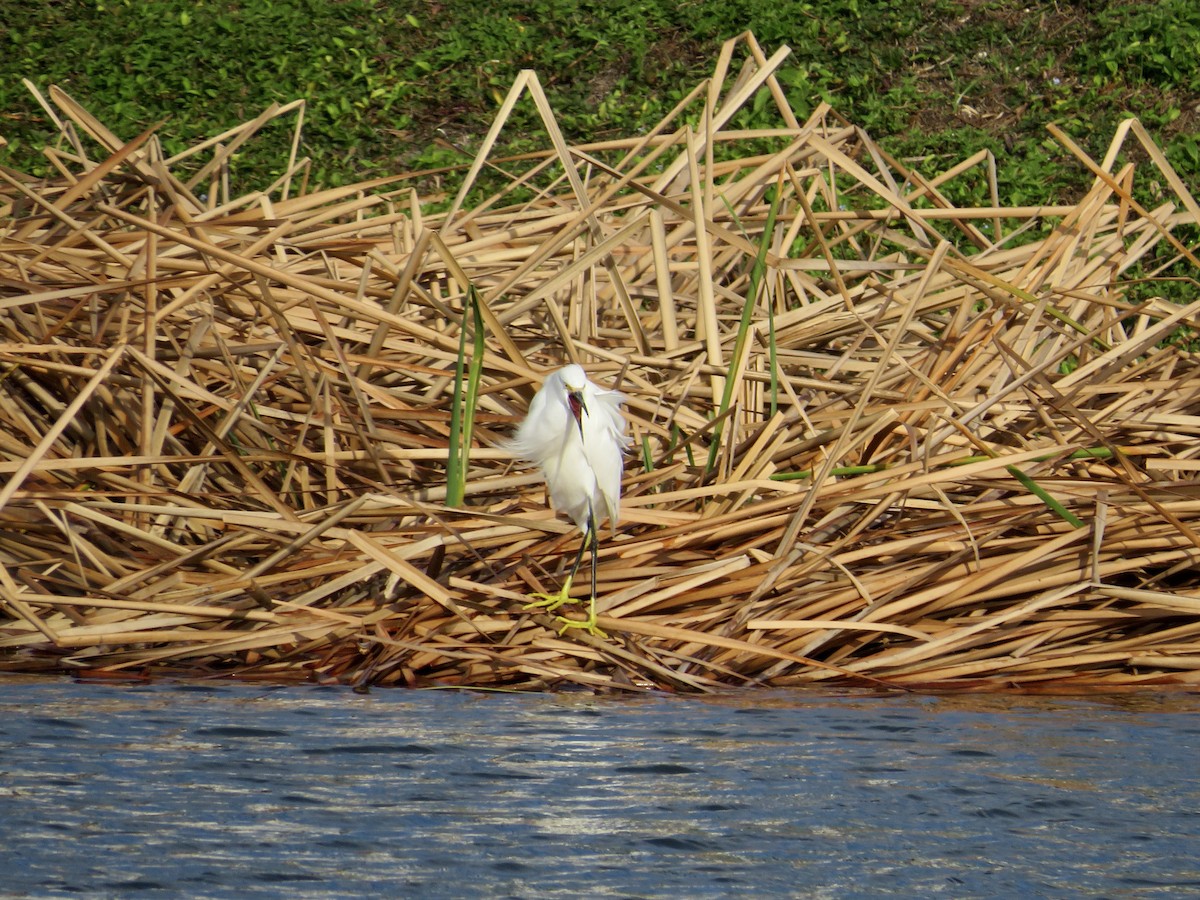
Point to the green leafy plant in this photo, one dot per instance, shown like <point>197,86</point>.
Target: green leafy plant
<point>408,86</point>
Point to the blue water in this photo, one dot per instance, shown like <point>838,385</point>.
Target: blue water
<point>234,790</point>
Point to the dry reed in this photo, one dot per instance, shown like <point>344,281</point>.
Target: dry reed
<point>951,455</point>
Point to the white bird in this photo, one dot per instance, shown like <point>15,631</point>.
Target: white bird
<point>575,432</point>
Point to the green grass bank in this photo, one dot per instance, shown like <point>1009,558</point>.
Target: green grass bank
<point>413,85</point>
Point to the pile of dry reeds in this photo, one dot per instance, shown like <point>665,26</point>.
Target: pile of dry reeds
<point>879,439</point>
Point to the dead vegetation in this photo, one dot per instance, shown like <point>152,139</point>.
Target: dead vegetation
<point>879,439</point>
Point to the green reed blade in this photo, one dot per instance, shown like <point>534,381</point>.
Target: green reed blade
<point>1037,490</point>
<point>462,409</point>
<point>756,277</point>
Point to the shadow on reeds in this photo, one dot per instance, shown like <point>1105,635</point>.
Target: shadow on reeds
<point>951,451</point>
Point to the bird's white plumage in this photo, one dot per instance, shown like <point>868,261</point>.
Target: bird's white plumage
<point>581,461</point>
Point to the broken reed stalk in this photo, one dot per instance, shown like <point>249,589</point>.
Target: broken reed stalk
<point>884,440</point>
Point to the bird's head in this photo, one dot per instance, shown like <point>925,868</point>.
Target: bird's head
<point>575,382</point>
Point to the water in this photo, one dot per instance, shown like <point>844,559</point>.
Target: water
<point>234,791</point>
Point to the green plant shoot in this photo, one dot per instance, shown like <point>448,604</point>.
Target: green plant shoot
<point>462,410</point>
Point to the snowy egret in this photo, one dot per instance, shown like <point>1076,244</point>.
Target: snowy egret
<point>575,432</point>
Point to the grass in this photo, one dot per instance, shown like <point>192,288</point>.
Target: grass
<point>400,86</point>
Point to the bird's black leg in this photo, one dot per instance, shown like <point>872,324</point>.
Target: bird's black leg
<point>551,602</point>
<point>579,556</point>
<point>595,552</point>
<point>589,624</point>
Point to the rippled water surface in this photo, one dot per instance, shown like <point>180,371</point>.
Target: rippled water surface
<point>232,791</point>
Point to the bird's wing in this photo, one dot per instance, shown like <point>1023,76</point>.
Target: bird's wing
<point>538,435</point>
<point>610,403</point>
<point>604,445</point>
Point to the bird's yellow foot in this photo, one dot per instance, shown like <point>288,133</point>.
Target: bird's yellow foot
<point>588,624</point>
<point>551,602</point>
